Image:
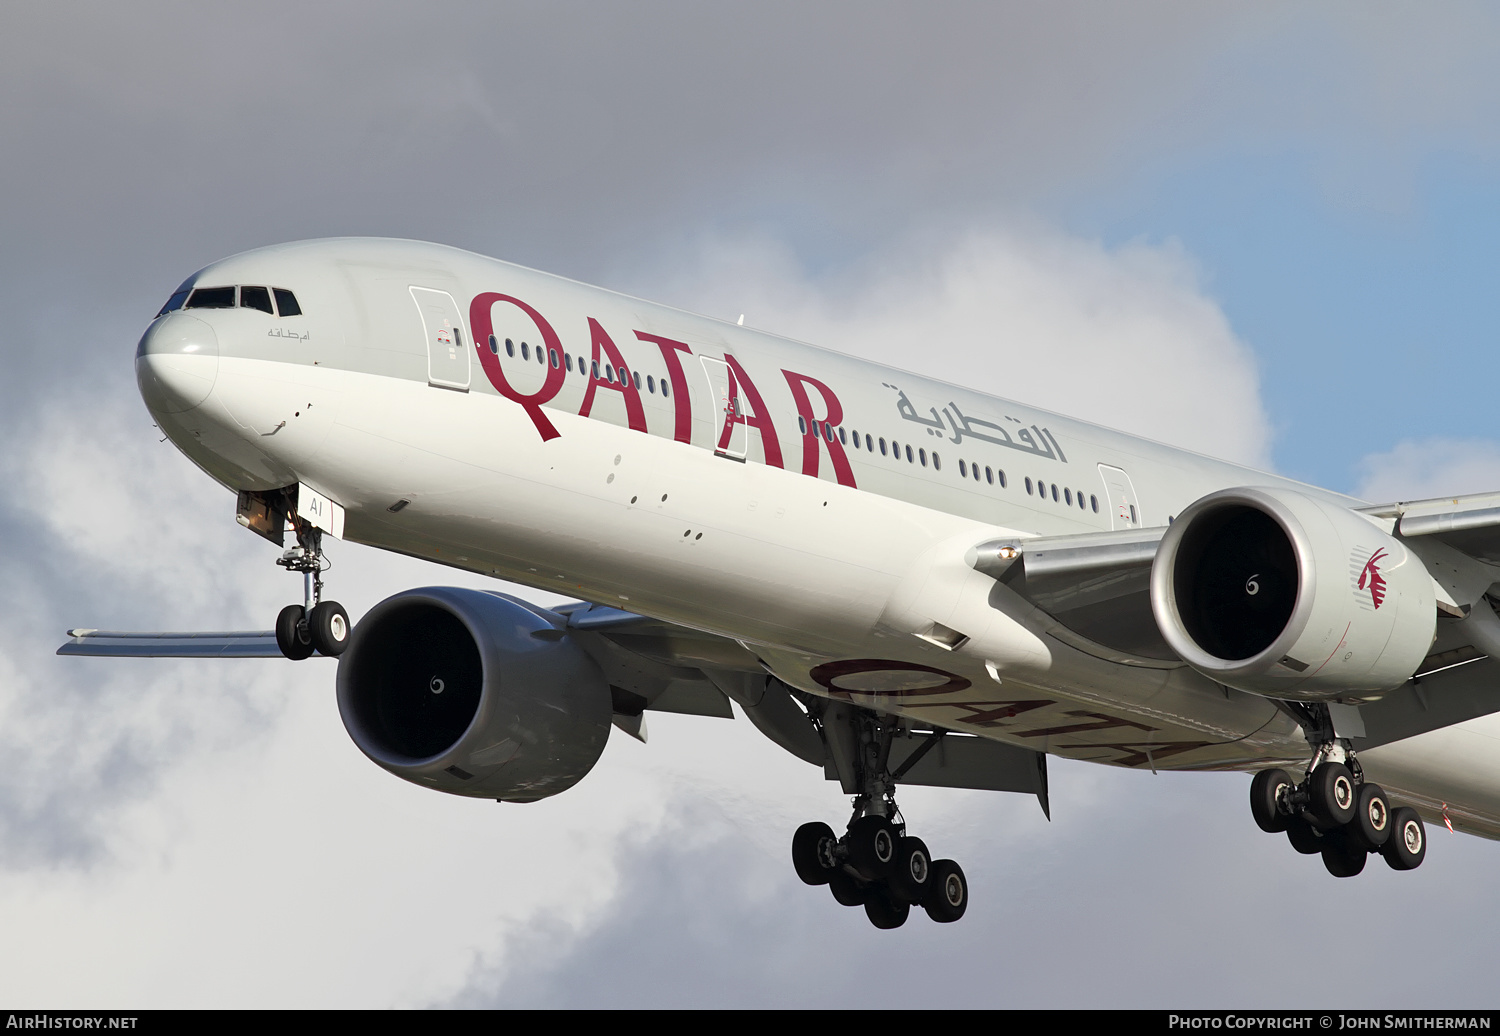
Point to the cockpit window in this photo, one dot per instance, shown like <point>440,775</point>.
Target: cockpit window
<point>255,297</point>
<point>175,302</point>
<point>211,298</point>
<point>286,302</point>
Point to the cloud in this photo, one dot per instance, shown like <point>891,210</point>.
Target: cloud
<point>1145,892</point>
<point>1417,470</point>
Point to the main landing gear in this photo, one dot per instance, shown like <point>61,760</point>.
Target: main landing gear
<point>1334,811</point>
<point>316,625</point>
<point>875,863</point>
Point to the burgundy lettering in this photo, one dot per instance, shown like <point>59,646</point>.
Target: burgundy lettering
<point>760,420</point>
<point>681,398</point>
<point>483,325</point>
<point>834,415</point>
<point>635,414</point>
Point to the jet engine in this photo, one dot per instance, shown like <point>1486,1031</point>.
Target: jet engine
<point>1278,593</point>
<point>473,693</point>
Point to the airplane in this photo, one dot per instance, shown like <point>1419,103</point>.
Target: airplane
<point>896,579</point>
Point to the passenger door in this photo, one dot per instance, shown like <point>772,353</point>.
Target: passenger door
<point>448,347</point>
<point>1124,509</point>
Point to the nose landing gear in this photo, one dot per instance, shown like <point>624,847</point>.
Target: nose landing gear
<point>315,625</point>
<point>1334,812</point>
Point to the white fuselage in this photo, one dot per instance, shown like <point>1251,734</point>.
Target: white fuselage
<point>820,509</point>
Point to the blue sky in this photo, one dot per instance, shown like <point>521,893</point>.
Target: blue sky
<point>1372,324</point>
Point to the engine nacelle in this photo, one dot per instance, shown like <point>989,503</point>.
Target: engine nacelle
<point>473,693</point>
<point>1278,593</point>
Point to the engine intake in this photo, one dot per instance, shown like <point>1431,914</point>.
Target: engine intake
<point>1279,593</point>
<point>473,693</point>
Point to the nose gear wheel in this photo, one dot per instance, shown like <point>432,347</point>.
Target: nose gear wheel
<point>316,624</point>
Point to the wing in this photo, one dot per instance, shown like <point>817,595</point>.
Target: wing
<point>1468,524</point>
<point>109,644</point>
<point>1095,588</point>
<point>664,667</point>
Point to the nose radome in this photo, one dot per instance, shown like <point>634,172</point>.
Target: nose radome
<point>176,363</point>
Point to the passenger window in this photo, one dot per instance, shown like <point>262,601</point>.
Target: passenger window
<point>211,298</point>
<point>1067,495</point>
<point>286,303</point>
<point>525,351</point>
<point>937,462</point>
<point>1054,492</point>
<point>869,445</point>
<point>636,377</point>
<point>552,356</point>
<point>963,470</point>
<point>882,447</point>
<point>254,296</point>
<point>494,346</point>
<point>569,358</point>
<point>1002,477</point>
<point>842,437</point>
<point>594,366</point>
<point>1094,502</point>
<point>908,455</point>
<point>801,424</point>
<point>1028,485</point>
<point>651,384</point>
<point>175,302</point>
<point>664,392</point>
<point>510,347</point>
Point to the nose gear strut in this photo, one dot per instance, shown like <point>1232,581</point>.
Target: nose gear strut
<point>316,624</point>
<point>1334,811</point>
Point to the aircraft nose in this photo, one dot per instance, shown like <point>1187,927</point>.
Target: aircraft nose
<point>176,363</point>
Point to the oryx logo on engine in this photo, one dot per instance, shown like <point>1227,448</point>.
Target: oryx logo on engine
<point>1371,579</point>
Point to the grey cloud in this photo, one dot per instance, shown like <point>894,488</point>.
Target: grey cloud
<point>1146,892</point>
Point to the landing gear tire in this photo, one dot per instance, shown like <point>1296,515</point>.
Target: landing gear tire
<point>846,890</point>
<point>1342,857</point>
<point>1305,838</point>
<point>948,897</point>
<point>328,628</point>
<point>911,871</point>
<point>810,853</point>
<point>1407,846</point>
<point>872,846</point>
<point>1371,827</point>
<point>885,910</point>
<point>292,634</point>
<point>1331,788</point>
<point>1265,791</point>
